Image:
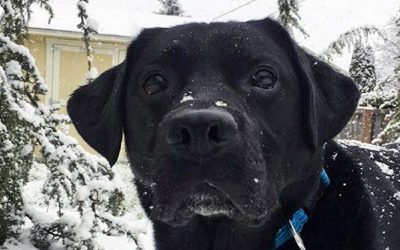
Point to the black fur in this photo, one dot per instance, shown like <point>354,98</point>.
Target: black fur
<point>220,163</point>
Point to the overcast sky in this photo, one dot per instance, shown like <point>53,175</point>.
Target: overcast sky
<point>324,20</point>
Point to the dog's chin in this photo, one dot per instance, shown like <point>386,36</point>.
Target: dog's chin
<point>183,217</point>
<point>209,202</point>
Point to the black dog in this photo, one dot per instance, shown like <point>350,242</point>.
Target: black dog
<point>226,128</point>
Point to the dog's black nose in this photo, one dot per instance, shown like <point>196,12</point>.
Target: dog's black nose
<point>201,131</point>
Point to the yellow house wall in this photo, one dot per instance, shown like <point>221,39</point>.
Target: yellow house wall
<point>37,47</point>
<point>68,66</point>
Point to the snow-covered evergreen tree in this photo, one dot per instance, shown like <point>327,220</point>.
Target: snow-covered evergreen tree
<point>362,67</point>
<point>289,15</point>
<point>81,196</point>
<point>20,86</point>
<point>171,7</point>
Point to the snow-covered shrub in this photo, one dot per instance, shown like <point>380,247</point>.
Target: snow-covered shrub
<point>381,96</point>
<point>397,55</point>
<point>392,129</point>
<point>393,55</point>
<point>81,200</point>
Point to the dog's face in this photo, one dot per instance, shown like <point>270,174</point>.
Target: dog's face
<point>220,119</point>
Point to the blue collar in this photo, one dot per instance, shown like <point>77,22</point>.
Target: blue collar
<point>298,220</point>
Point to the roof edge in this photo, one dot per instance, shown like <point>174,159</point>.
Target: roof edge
<point>78,35</point>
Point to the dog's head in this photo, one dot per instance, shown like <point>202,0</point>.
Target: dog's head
<point>220,119</point>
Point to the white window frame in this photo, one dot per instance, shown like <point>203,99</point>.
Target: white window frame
<point>54,46</point>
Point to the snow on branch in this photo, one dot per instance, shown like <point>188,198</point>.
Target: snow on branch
<point>17,13</point>
<point>12,51</point>
<point>89,26</point>
<point>289,15</point>
<point>350,38</point>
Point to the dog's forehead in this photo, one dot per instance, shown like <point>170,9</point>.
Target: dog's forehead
<point>222,40</point>
<point>206,34</point>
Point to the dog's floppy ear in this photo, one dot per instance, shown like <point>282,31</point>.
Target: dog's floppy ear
<point>97,109</point>
<point>329,97</point>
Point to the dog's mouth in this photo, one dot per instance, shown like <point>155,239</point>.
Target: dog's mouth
<point>208,200</point>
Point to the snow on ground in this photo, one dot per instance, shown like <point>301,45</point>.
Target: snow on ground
<point>323,20</point>
<point>344,143</point>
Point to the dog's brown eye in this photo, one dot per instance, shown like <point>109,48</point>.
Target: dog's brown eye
<point>264,79</point>
<point>154,84</point>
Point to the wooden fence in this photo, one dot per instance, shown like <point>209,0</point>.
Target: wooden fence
<point>365,125</point>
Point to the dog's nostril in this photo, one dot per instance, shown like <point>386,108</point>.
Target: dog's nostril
<point>214,134</point>
<point>179,135</point>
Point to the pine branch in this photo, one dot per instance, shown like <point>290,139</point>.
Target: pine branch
<point>88,30</point>
<point>350,38</point>
<point>289,15</point>
<point>17,13</point>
